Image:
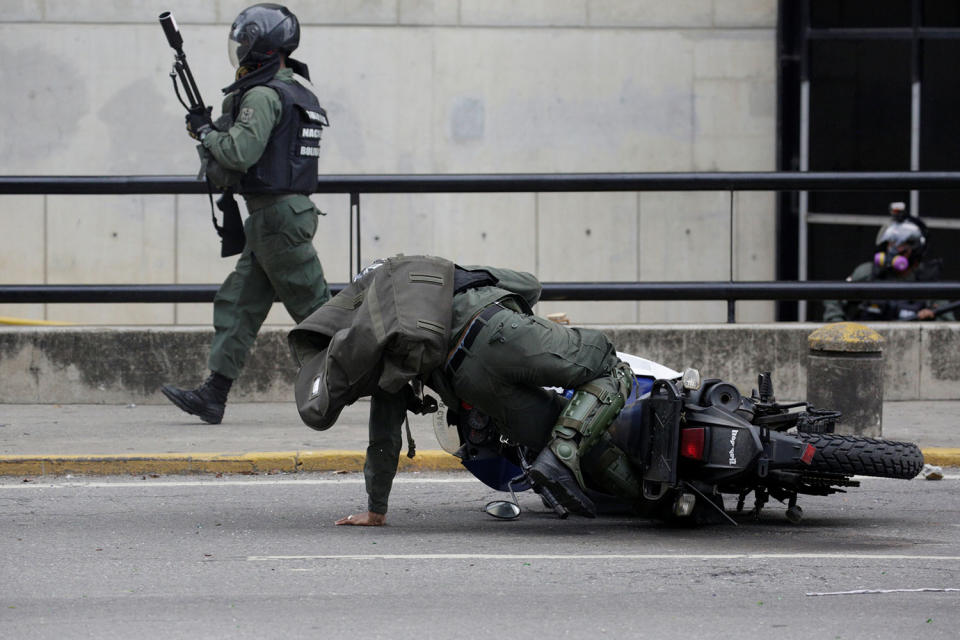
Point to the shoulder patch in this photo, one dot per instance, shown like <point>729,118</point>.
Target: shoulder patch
<point>246,114</point>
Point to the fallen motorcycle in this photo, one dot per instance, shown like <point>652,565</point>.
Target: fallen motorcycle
<point>691,441</point>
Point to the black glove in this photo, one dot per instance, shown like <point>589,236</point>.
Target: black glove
<point>199,123</point>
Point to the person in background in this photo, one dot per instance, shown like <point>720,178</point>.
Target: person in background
<point>900,255</point>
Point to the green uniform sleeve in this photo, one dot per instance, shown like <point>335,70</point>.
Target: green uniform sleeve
<point>387,411</point>
<point>948,316</point>
<point>239,147</point>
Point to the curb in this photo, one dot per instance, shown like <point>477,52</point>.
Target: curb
<point>185,463</point>
<point>265,462</point>
<point>942,456</point>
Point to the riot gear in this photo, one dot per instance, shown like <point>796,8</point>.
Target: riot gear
<point>261,32</point>
<point>900,249</point>
<point>580,427</point>
<point>900,244</point>
<point>264,146</point>
<point>290,160</point>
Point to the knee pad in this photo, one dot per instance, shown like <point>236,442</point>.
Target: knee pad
<point>592,408</point>
<point>611,470</point>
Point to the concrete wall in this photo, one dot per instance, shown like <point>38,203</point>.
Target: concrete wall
<point>124,365</point>
<point>411,86</point>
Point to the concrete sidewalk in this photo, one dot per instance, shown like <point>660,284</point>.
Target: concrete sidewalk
<point>268,437</point>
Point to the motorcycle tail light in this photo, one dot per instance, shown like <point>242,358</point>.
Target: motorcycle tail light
<point>808,454</point>
<point>692,442</point>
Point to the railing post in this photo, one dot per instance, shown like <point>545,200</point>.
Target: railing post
<point>731,303</point>
<point>354,214</point>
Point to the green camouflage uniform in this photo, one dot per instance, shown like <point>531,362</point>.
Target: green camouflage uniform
<point>513,357</point>
<point>279,258</point>
<point>400,321</point>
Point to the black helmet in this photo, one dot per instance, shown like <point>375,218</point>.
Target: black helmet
<point>261,32</point>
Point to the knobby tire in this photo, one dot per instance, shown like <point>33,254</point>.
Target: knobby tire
<point>857,455</point>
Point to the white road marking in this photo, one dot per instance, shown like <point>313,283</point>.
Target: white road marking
<point>609,556</point>
<point>859,592</point>
<point>261,481</point>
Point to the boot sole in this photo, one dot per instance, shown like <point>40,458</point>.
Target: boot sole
<point>569,501</point>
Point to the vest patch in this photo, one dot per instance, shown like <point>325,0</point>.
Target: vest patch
<point>317,116</point>
<point>310,151</point>
<point>309,132</point>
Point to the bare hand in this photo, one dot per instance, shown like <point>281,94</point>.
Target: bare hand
<point>925,314</point>
<point>368,519</point>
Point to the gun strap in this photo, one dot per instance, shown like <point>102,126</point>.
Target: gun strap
<point>213,216</point>
<point>411,445</point>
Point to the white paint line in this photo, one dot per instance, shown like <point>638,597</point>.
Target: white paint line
<point>609,556</point>
<point>859,592</point>
<point>260,481</point>
<point>228,483</point>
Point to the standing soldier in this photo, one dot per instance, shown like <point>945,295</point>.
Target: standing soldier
<point>265,146</point>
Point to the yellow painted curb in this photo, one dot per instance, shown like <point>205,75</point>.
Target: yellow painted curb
<point>181,463</point>
<point>265,462</point>
<point>334,460</point>
<point>26,322</point>
<point>942,456</point>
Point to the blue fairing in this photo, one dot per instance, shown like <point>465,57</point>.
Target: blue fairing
<point>631,416</point>
<point>641,388</point>
<point>496,473</point>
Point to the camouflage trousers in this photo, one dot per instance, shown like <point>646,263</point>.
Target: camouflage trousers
<point>278,261</point>
<point>514,356</point>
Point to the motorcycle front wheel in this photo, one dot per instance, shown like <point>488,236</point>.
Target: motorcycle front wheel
<point>857,455</point>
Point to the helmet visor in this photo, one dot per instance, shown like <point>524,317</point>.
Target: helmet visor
<point>232,47</point>
<point>897,234</point>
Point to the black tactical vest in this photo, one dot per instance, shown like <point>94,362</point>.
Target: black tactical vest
<point>289,162</point>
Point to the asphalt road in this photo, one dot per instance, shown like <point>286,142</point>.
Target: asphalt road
<point>245,557</point>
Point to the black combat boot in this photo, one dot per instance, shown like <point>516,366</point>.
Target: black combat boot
<point>548,471</point>
<point>581,425</point>
<point>206,401</point>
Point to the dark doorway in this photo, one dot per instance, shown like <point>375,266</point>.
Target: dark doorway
<point>881,95</point>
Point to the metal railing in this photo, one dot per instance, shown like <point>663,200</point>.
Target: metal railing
<point>355,185</point>
<point>610,291</point>
<point>514,182</point>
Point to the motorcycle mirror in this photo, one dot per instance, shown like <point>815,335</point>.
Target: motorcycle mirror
<point>503,509</point>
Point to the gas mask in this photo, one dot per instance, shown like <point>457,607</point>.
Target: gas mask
<point>891,259</point>
<point>900,243</point>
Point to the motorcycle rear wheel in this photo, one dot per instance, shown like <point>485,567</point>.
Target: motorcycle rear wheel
<point>857,455</point>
